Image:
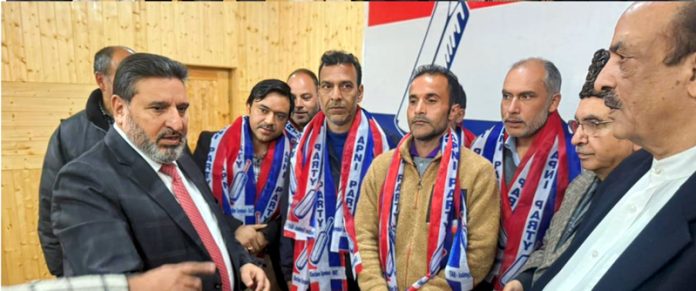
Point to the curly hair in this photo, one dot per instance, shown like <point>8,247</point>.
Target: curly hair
<point>600,58</point>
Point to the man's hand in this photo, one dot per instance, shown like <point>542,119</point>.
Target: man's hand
<point>246,235</point>
<point>514,285</point>
<point>254,278</point>
<point>260,241</point>
<point>182,276</point>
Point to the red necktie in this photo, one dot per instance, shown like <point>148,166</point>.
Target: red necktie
<point>197,220</point>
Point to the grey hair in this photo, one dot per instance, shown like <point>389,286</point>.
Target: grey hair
<point>102,59</point>
<point>552,77</point>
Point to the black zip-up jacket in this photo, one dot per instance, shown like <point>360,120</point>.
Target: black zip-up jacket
<point>72,138</point>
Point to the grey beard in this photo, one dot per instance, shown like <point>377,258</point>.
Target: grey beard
<point>139,138</point>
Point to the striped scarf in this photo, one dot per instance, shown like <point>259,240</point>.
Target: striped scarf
<point>535,193</point>
<point>447,232</point>
<point>320,218</point>
<point>230,174</point>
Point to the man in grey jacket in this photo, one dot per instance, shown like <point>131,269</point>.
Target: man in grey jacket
<point>600,152</point>
<point>74,136</point>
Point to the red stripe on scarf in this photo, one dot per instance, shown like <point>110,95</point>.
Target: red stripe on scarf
<point>224,148</point>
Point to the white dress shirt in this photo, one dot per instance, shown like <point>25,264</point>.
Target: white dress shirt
<point>197,198</point>
<point>624,222</point>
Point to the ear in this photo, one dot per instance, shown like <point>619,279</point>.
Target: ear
<point>456,113</point>
<point>555,100</point>
<point>691,83</point>
<point>120,109</point>
<point>248,109</point>
<point>360,93</point>
<point>99,77</point>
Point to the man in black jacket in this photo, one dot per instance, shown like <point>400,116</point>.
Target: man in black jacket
<point>74,136</point>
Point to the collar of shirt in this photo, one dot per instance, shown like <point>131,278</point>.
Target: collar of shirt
<point>511,145</point>
<point>155,165</point>
<point>414,152</point>
<point>678,166</point>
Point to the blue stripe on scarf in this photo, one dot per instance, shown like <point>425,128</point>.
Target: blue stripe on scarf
<point>489,148</point>
<point>276,167</point>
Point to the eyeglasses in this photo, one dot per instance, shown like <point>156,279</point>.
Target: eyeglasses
<point>590,127</point>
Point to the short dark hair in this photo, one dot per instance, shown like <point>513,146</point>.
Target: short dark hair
<point>683,40</point>
<point>333,57</point>
<point>456,91</point>
<point>141,66</point>
<point>102,59</point>
<point>268,86</point>
<point>307,72</point>
<point>599,60</point>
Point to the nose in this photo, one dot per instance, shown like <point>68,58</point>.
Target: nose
<point>419,107</point>
<point>336,93</point>
<point>176,120</point>
<point>579,137</point>
<point>299,103</point>
<point>268,118</point>
<point>513,105</point>
<point>606,79</point>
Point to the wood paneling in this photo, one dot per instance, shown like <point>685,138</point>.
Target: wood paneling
<point>47,54</point>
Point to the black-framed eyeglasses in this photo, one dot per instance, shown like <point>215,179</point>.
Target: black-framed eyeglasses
<point>590,126</point>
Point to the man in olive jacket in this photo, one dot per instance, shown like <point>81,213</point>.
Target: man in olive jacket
<point>397,215</point>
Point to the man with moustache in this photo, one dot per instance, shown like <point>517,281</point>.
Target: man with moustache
<point>533,159</point>
<point>247,168</point>
<point>73,137</point>
<point>600,152</point>
<point>640,232</point>
<point>133,202</point>
<point>330,160</point>
<point>303,84</point>
<point>413,196</point>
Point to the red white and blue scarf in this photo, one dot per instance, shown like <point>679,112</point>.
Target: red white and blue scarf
<point>292,133</point>
<point>230,174</point>
<point>447,232</point>
<point>535,193</point>
<point>466,137</point>
<point>320,219</point>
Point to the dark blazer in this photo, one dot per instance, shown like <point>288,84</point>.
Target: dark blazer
<point>663,256</point>
<point>113,214</point>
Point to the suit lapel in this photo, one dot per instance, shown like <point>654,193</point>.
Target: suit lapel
<point>661,240</point>
<point>608,194</point>
<point>140,172</point>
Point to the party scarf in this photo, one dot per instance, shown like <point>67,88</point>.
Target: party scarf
<point>535,193</point>
<point>320,219</point>
<point>292,132</point>
<point>466,137</point>
<point>229,172</point>
<point>447,231</point>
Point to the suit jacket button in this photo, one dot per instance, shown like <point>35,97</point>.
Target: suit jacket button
<point>218,286</point>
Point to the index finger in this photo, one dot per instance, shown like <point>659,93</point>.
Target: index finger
<point>196,268</point>
<point>258,226</point>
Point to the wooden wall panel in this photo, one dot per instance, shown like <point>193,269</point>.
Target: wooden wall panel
<point>47,54</point>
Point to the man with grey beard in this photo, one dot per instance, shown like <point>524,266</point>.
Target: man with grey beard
<point>134,202</point>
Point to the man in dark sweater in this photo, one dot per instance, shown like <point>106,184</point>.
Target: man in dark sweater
<point>74,136</point>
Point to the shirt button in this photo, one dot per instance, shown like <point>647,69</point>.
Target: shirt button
<point>595,253</point>
<point>218,286</point>
<point>658,171</point>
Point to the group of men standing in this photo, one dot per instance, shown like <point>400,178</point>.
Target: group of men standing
<point>305,184</point>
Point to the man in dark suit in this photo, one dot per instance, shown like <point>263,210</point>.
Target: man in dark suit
<point>134,202</point>
<point>640,233</point>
